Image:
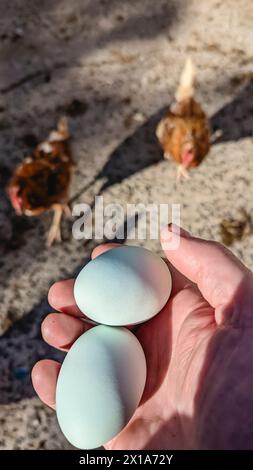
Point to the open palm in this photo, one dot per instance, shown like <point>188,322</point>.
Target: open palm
<point>193,349</point>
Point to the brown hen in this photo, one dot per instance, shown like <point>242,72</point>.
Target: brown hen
<point>184,133</point>
<point>41,182</point>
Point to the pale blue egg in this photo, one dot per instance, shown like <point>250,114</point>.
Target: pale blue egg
<point>123,286</point>
<point>100,385</point>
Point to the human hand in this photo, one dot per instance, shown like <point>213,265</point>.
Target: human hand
<point>199,353</point>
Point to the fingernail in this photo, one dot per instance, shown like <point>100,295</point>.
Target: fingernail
<point>173,228</point>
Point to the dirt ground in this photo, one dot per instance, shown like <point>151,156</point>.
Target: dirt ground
<point>112,67</point>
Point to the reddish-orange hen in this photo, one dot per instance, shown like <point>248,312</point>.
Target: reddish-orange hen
<point>184,133</point>
<point>41,182</point>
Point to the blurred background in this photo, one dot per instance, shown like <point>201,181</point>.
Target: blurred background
<point>112,67</point>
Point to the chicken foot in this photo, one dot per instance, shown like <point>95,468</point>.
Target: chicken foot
<point>54,233</point>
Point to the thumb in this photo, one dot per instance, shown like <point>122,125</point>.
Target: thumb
<point>221,278</point>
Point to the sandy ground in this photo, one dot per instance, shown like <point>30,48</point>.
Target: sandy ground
<point>121,61</point>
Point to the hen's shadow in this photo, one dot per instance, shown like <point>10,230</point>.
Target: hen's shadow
<point>137,152</point>
<point>235,119</point>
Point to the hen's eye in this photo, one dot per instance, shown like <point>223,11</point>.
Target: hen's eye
<point>32,199</point>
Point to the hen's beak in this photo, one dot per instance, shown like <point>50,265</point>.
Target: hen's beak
<point>16,199</point>
<point>188,156</point>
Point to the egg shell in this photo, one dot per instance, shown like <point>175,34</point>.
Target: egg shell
<point>123,286</point>
<point>100,385</point>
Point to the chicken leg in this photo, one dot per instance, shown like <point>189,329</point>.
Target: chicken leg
<point>182,173</point>
<point>54,233</point>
